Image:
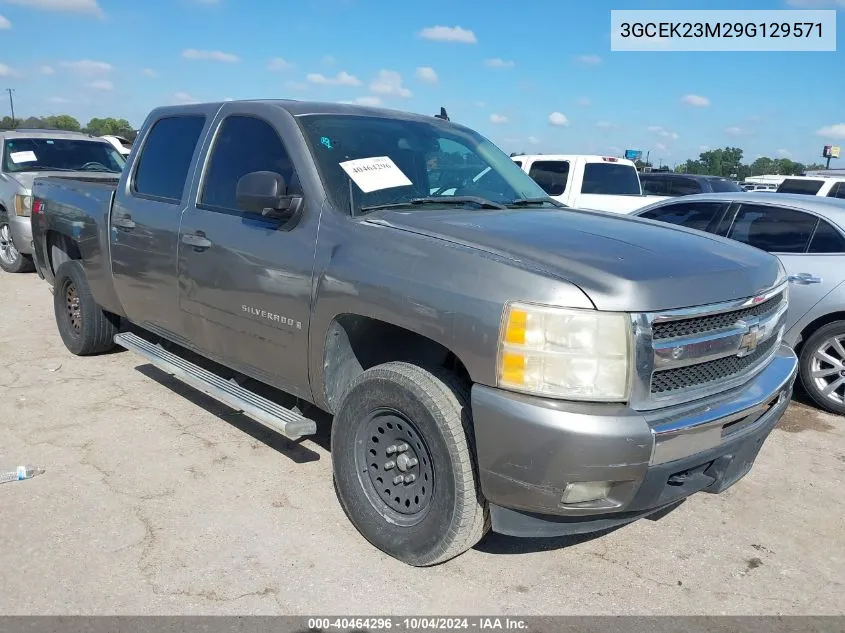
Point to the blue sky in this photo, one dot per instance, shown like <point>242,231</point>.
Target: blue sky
<point>532,76</point>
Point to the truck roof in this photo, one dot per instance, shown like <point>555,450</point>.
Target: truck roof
<point>590,158</point>
<point>45,133</point>
<point>297,108</point>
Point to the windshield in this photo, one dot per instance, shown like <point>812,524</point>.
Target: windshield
<point>48,154</point>
<point>383,161</point>
<point>611,179</point>
<point>809,187</point>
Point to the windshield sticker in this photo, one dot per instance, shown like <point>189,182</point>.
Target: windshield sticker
<point>373,174</point>
<point>326,142</point>
<point>23,157</point>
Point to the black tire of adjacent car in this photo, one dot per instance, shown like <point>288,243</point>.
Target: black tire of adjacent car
<point>84,326</point>
<point>440,435</point>
<point>808,349</point>
<point>23,263</point>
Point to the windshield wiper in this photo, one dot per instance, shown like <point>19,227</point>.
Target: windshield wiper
<point>483,203</point>
<point>527,202</point>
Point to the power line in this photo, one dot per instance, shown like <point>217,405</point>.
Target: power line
<point>11,104</point>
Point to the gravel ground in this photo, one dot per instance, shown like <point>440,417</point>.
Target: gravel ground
<point>157,500</point>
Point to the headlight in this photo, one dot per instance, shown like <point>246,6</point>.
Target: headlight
<point>23,205</point>
<point>565,353</point>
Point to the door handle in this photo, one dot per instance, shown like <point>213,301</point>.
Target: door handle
<point>804,279</point>
<point>123,221</point>
<point>197,240</point>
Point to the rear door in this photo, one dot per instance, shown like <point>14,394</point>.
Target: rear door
<point>144,223</point>
<point>809,247</point>
<point>244,278</point>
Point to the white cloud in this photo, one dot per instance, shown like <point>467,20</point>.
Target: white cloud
<point>389,82</point>
<point>784,153</point>
<point>836,131</point>
<point>149,72</point>
<point>663,133</point>
<point>88,7</point>
<point>279,64</point>
<point>88,67</point>
<point>102,84</point>
<point>533,140</point>
<point>343,78</point>
<point>704,148</point>
<point>661,147</point>
<point>427,74</point>
<point>498,62</point>
<point>7,71</point>
<point>559,119</point>
<point>584,102</point>
<point>480,104</point>
<point>734,130</point>
<point>328,60</point>
<point>183,98</point>
<point>591,60</point>
<point>296,85</point>
<point>4,23</point>
<point>696,100</point>
<point>217,56</point>
<point>58,100</point>
<point>604,124</point>
<point>368,101</point>
<point>448,34</point>
<point>47,70</point>
<point>498,118</point>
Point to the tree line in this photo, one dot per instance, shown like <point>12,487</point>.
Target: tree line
<point>727,162</point>
<point>95,127</point>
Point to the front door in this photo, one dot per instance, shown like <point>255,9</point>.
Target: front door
<point>244,279</point>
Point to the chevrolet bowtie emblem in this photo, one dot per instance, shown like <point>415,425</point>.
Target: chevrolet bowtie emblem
<point>748,342</point>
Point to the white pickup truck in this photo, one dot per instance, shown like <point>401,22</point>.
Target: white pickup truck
<point>601,183</point>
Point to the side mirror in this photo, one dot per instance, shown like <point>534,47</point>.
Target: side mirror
<point>265,192</point>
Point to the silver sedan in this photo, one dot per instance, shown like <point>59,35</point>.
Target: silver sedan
<point>807,234</point>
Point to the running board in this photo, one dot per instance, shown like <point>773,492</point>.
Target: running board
<point>289,423</point>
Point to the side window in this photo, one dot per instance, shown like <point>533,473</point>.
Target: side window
<point>166,157</point>
<point>827,239</point>
<point>701,216</point>
<point>837,191</point>
<point>773,229</point>
<point>654,185</point>
<point>244,144</point>
<point>551,175</point>
<point>684,186</point>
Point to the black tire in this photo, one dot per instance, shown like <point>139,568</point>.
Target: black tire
<point>19,263</point>
<point>84,326</point>
<point>430,410</point>
<point>808,350</point>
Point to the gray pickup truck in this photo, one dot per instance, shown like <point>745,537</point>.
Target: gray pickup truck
<point>490,358</point>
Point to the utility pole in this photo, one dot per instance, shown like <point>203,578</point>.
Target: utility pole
<point>11,104</point>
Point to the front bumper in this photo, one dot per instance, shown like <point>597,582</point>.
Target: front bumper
<point>529,449</point>
<point>21,228</point>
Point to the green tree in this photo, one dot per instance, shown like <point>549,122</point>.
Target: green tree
<point>109,125</point>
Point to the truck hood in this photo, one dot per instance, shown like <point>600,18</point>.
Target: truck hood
<point>27,178</point>
<point>621,262</point>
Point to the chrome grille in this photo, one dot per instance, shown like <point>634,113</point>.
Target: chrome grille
<point>669,380</point>
<point>712,322</point>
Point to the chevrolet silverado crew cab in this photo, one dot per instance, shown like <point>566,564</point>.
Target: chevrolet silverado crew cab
<point>601,183</point>
<point>489,358</point>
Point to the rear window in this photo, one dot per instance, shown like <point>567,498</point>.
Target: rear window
<point>827,240</point>
<point>837,191</point>
<point>720,185</point>
<point>60,154</point>
<point>610,179</point>
<point>793,185</point>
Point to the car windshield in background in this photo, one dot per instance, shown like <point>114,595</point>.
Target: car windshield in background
<point>381,161</point>
<point>721,185</point>
<point>47,154</point>
<point>793,185</point>
<point>611,179</point>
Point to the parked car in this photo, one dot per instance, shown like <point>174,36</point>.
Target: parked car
<point>808,235</point>
<point>827,186</point>
<point>120,143</point>
<point>603,183</point>
<point>488,359</point>
<point>670,184</point>
<point>24,154</point>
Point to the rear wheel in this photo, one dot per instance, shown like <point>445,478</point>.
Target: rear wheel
<point>11,259</point>
<point>404,465</point>
<point>84,326</point>
<point>822,367</point>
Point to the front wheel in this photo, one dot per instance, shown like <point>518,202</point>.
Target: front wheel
<point>404,466</point>
<point>822,366</point>
<point>11,259</point>
<point>84,326</point>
